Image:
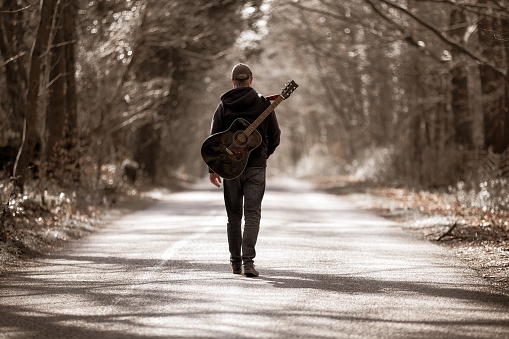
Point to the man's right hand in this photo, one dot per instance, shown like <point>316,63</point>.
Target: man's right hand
<point>215,179</point>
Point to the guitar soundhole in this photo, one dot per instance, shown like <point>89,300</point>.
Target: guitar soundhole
<point>240,139</point>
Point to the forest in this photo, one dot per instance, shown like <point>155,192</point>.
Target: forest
<point>104,97</point>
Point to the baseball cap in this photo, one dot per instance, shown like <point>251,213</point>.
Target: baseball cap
<point>241,72</point>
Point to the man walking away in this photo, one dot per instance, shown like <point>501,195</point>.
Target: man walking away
<point>244,194</point>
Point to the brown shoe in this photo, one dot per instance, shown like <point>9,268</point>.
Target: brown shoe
<point>236,269</point>
<point>250,272</point>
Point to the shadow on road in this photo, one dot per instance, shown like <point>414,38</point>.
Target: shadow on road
<point>103,295</point>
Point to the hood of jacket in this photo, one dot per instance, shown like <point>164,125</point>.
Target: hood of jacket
<point>239,98</point>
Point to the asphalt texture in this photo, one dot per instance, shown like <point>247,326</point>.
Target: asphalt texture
<point>327,270</point>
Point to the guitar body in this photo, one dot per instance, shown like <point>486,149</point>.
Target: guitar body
<point>226,153</point>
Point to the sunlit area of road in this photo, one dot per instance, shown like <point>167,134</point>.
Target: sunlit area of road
<point>327,269</point>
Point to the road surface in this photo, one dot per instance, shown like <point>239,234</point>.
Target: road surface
<point>327,270</point>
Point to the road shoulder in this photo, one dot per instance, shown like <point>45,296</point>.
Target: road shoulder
<point>475,238</point>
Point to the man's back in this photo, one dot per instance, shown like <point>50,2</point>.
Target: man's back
<point>245,103</point>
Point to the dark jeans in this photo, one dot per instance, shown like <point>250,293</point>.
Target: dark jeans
<point>245,192</point>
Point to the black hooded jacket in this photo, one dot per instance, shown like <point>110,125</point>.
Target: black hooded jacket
<point>246,103</point>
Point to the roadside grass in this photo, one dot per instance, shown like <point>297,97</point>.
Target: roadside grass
<point>34,224</point>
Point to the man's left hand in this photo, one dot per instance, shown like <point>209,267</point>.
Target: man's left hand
<point>215,179</point>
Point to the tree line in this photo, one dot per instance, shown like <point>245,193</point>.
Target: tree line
<point>410,92</point>
<point>416,87</point>
<point>90,84</point>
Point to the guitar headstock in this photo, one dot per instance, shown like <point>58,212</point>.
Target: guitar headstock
<point>288,90</point>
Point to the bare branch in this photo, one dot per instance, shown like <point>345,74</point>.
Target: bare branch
<point>20,9</point>
<point>141,115</point>
<point>314,10</point>
<point>451,42</point>
<point>205,56</point>
<point>13,58</point>
<point>407,36</point>
<point>449,232</point>
<point>500,12</point>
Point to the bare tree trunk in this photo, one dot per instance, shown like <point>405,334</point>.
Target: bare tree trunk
<point>11,49</point>
<point>494,88</point>
<point>147,149</point>
<point>414,92</point>
<point>72,134</point>
<point>504,32</point>
<point>29,126</point>
<point>104,131</point>
<point>60,153</point>
<point>460,97</point>
<point>52,154</point>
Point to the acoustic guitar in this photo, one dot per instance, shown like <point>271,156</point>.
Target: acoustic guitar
<point>226,153</point>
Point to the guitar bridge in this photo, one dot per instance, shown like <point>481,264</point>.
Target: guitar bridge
<point>228,151</point>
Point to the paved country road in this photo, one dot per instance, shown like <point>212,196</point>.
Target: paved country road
<point>327,270</point>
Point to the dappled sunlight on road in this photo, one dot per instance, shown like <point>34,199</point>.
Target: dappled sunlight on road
<point>327,269</point>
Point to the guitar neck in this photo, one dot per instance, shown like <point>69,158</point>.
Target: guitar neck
<point>262,116</point>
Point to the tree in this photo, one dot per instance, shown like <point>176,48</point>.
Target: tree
<point>405,78</point>
<point>40,45</point>
<point>13,54</point>
<point>494,86</point>
<point>459,73</point>
<point>142,65</point>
